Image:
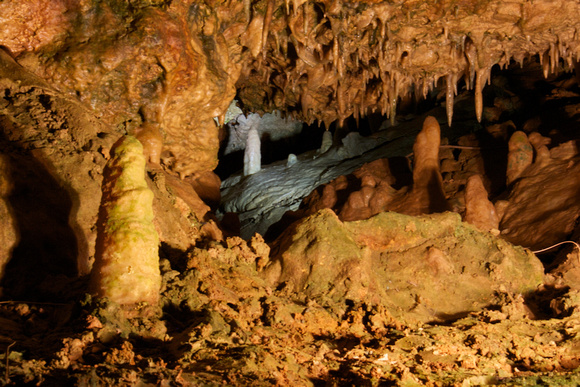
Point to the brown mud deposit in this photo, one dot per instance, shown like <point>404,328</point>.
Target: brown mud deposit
<point>409,271</point>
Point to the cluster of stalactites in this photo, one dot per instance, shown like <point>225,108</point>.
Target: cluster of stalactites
<point>328,61</point>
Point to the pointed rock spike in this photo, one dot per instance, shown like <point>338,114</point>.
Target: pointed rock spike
<point>479,81</point>
<point>449,98</point>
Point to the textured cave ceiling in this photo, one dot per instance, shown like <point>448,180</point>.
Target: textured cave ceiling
<point>328,60</point>
<point>175,65</point>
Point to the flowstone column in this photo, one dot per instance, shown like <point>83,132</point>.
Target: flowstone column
<point>126,268</point>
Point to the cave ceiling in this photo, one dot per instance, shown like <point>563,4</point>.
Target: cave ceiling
<point>328,60</point>
<point>175,65</point>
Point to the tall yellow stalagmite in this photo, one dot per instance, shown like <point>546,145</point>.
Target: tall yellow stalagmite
<point>126,268</point>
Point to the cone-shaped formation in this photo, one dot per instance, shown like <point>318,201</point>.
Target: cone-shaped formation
<point>126,268</point>
<point>520,156</point>
<point>326,142</point>
<point>427,194</point>
<point>479,211</point>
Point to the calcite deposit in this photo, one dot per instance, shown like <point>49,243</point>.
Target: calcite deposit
<point>8,230</point>
<point>344,263</point>
<point>429,268</point>
<point>328,60</point>
<point>135,65</point>
<point>479,211</point>
<point>126,268</point>
<point>177,65</point>
<point>543,205</point>
<point>520,156</point>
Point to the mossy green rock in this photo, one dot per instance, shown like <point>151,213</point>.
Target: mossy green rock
<point>425,268</point>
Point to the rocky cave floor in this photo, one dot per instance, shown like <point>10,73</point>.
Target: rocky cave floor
<point>220,322</point>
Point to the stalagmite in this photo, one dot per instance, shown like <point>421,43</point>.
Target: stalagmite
<point>427,194</point>
<point>252,155</point>
<point>479,211</point>
<point>520,156</point>
<point>292,159</point>
<point>326,141</point>
<point>540,143</point>
<point>126,268</point>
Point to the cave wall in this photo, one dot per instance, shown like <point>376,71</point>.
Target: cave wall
<point>160,63</point>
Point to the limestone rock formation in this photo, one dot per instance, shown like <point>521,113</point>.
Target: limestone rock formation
<point>325,60</point>
<point>520,156</point>
<point>270,125</point>
<point>479,211</point>
<point>333,301</point>
<point>178,64</point>
<point>126,268</point>
<point>252,153</point>
<point>543,205</point>
<point>426,195</point>
<point>411,265</point>
<point>8,230</point>
<point>135,64</point>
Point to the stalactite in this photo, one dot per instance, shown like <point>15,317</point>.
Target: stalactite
<point>340,99</point>
<point>545,63</point>
<point>482,76</point>
<point>449,97</point>
<point>478,95</point>
<point>340,67</point>
<point>305,19</point>
<point>393,101</point>
<point>335,52</point>
<point>248,10</point>
<point>471,55</point>
<point>554,58</point>
<point>266,28</point>
<point>296,5</point>
<point>426,87</point>
<point>368,46</point>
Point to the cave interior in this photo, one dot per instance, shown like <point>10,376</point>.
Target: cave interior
<point>323,192</point>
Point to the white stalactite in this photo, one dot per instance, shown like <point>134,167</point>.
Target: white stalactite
<point>252,155</point>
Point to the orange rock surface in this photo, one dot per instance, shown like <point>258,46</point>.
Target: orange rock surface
<point>178,64</point>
